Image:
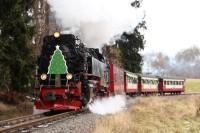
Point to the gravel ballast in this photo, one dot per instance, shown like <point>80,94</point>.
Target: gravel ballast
<point>83,123</point>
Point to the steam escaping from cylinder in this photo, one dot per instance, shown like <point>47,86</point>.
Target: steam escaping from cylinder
<point>108,105</point>
<point>96,21</point>
<point>38,111</point>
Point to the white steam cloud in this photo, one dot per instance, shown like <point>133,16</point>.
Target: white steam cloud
<point>96,21</point>
<point>38,111</point>
<point>108,105</point>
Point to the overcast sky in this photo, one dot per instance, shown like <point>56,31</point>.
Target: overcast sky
<point>172,25</point>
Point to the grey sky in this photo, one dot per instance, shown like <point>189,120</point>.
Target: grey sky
<point>172,25</point>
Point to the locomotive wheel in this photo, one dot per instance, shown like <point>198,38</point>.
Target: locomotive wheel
<point>88,94</point>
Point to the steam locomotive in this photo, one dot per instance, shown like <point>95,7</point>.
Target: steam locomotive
<point>71,75</point>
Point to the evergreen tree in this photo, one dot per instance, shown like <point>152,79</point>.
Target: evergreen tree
<point>125,51</point>
<point>16,31</point>
<point>130,45</point>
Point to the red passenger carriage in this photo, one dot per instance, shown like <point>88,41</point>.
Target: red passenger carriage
<point>171,85</point>
<point>147,84</point>
<point>116,79</point>
<point>130,83</point>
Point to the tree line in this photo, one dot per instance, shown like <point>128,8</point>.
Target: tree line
<point>184,63</point>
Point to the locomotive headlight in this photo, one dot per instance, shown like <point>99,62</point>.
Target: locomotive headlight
<point>43,76</point>
<point>56,34</point>
<point>69,76</point>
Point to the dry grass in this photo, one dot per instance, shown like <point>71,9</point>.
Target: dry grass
<point>192,85</point>
<point>8,111</point>
<point>155,115</point>
<point>14,104</point>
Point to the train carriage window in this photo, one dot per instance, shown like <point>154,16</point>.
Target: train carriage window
<point>129,79</point>
<point>165,82</point>
<point>132,80</point>
<point>149,82</point>
<point>142,80</point>
<point>135,80</point>
<point>168,83</point>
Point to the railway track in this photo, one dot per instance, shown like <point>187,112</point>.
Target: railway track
<point>30,121</point>
<point>27,122</point>
<point>182,94</point>
<point>10,122</point>
<point>170,95</point>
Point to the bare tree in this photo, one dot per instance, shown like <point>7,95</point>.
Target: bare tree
<point>184,64</point>
<point>188,55</point>
<point>45,23</point>
<point>187,62</point>
<point>41,9</point>
<point>160,63</point>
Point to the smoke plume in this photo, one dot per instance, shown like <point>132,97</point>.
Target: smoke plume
<point>108,105</point>
<point>96,21</point>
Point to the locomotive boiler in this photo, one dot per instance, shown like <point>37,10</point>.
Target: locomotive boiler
<point>69,75</point>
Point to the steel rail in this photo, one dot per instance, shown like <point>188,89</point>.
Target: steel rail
<point>36,122</point>
<point>13,121</point>
<point>182,94</point>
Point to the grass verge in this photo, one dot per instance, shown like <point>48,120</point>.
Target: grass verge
<point>155,115</point>
<point>8,111</point>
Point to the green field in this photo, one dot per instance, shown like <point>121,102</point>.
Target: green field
<point>192,85</point>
